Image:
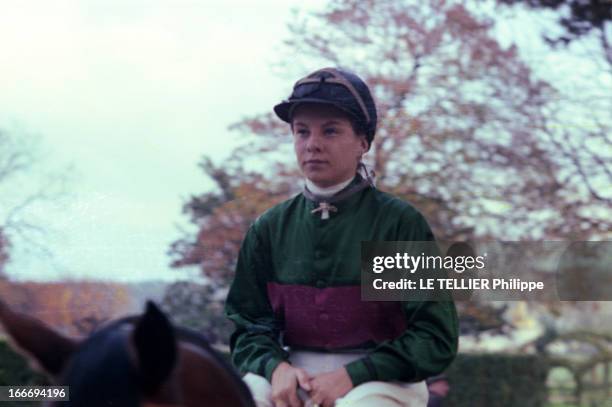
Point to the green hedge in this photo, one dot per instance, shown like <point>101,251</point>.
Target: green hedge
<point>14,370</point>
<point>500,380</point>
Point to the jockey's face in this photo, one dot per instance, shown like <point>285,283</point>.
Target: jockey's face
<point>326,145</point>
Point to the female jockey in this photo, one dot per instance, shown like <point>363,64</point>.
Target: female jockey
<point>303,335</point>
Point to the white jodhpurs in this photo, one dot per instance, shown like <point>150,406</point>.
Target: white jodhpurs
<point>369,394</point>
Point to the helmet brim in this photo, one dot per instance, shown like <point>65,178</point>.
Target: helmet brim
<point>285,109</point>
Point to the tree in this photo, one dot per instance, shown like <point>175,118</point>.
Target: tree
<point>20,166</point>
<point>4,256</point>
<point>458,134</point>
<point>579,18</point>
<point>223,217</point>
<point>199,307</point>
<point>578,124</point>
<point>76,308</point>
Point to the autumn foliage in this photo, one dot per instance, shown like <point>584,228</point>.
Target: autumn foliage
<point>465,133</point>
<point>223,217</point>
<point>4,251</point>
<point>76,308</point>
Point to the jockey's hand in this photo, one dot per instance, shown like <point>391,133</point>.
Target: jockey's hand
<point>285,380</point>
<point>330,386</point>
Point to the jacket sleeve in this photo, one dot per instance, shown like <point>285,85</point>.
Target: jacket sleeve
<point>254,344</point>
<point>427,346</point>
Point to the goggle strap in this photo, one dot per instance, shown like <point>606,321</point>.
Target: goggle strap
<point>340,80</point>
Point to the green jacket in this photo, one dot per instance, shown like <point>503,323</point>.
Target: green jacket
<point>298,281</point>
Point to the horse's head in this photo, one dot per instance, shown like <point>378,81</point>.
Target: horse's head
<point>140,361</point>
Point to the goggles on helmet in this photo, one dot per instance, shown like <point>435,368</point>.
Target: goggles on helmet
<point>301,91</point>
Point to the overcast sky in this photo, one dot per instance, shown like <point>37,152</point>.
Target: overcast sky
<point>132,94</point>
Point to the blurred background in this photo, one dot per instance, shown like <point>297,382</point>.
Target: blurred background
<point>137,144</point>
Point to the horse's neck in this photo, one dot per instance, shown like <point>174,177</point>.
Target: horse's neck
<point>198,376</point>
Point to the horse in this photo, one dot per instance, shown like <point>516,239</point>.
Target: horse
<point>135,361</point>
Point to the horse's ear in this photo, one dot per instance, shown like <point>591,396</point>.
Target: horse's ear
<point>156,347</point>
<point>50,349</point>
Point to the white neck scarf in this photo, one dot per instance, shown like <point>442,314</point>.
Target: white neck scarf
<point>328,191</point>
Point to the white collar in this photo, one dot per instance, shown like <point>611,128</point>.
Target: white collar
<point>328,191</point>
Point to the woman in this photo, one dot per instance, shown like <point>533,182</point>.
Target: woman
<point>302,332</point>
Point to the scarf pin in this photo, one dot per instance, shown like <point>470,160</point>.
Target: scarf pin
<point>324,208</point>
